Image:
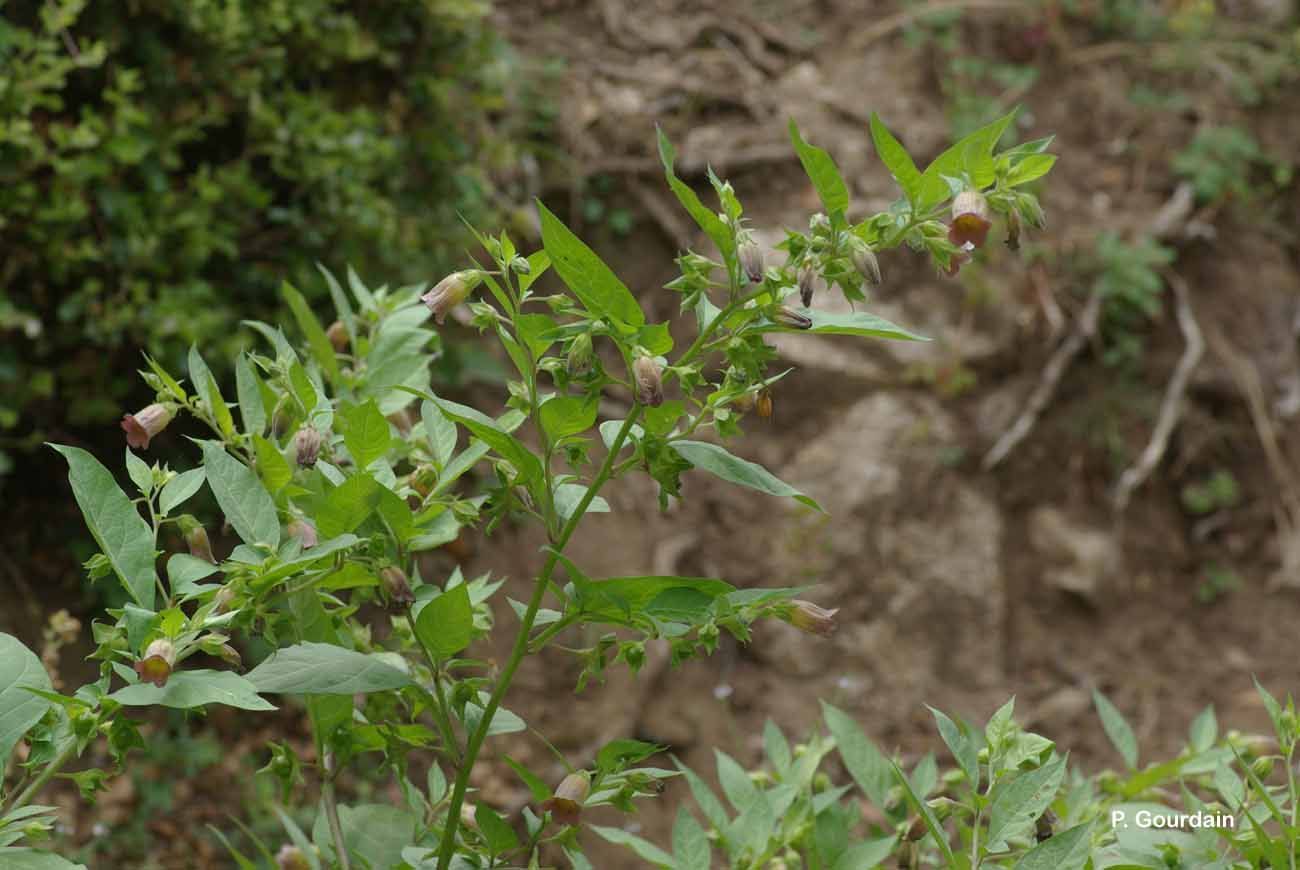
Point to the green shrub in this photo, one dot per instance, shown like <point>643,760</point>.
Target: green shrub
<point>164,164</point>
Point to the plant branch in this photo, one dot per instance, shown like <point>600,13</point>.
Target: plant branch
<point>443,709</point>
<point>332,812</point>
<point>448,844</point>
<point>24,797</point>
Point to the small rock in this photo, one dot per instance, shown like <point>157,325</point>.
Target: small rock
<point>1083,558</point>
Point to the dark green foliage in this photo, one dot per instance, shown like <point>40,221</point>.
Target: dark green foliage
<point>165,164</point>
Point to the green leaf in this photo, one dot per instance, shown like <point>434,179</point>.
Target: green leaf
<point>1017,801</point>
<point>303,388</point>
<point>187,689</point>
<point>325,669</point>
<point>593,282</point>
<point>365,432</point>
<point>446,624</point>
<point>248,388</point>
<point>621,599</point>
<point>168,381</point>
<point>923,810</point>
<point>489,431</point>
<point>347,505</point>
<point>644,849</point>
<point>823,173</point>
<point>536,332</point>
<point>617,755</point>
<point>242,497</point>
<point>868,854</point>
<point>439,432</point>
<point>122,534</point>
<point>500,837</point>
<point>1033,167</point>
<point>864,762</point>
<point>690,844</point>
<point>895,157</point>
<point>538,789</point>
<point>857,323</point>
<point>705,217</point>
<point>776,747</point>
<point>1117,729</point>
<point>1204,731</point>
<point>971,155</point>
<point>180,489</point>
<point>733,469</point>
<point>713,810</point>
<point>377,833</point>
<point>963,745</point>
<point>206,387</point>
<point>568,415</point>
<point>1067,850</point>
<point>317,340</point>
<point>139,472</point>
<point>538,263</point>
<point>272,467</point>
<point>567,496</point>
<point>22,858</point>
<point>184,571</point>
<point>20,670</point>
<point>736,784</point>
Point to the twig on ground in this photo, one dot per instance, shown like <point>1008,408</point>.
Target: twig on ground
<point>910,16</point>
<point>1043,394</point>
<point>1172,405</point>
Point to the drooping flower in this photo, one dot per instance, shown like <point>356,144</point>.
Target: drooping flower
<point>306,446</point>
<point>970,219</point>
<point>791,318</point>
<point>648,375</point>
<point>807,284</point>
<point>303,531</point>
<point>338,336</point>
<point>196,538</point>
<point>157,664</point>
<point>450,292</point>
<point>565,806</point>
<point>399,590</point>
<point>806,616</point>
<point>864,260</point>
<point>751,260</point>
<point>290,857</point>
<point>143,425</point>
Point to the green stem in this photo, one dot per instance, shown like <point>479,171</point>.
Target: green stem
<point>332,813</point>
<point>24,797</point>
<point>448,845</point>
<point>1291,787</point>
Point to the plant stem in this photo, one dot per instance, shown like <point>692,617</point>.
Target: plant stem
<point>448,846</point>
<point>65,755</point>
<point>332,812</point>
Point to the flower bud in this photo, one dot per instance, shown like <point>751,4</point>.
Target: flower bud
<point>521,266</point>
<point>306,446</point>
<point>1032,212</point>
<point>763,404</point>
<point>397,588</point>
<point>450,292</point>
<point>338,336</point>
<point>565,805</point>
<point>970,219</point>
<point>789,317</point>
<point>141,426</point>
<point>157,664</point>
<point>221,601</point>
<point>580,355</point>
<point>820,223</point>
<point>807,284</point>
<point>1262,767</point>
<point>291,858</point>
<point>806,616</point>
<point>230,655</point>
<point>751,260</point>
<point>196,538</point>
<point>864,260</point>
<point>648,375</point>
<point>303,531</point>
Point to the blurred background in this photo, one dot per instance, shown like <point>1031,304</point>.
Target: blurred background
<point>1090,478</point>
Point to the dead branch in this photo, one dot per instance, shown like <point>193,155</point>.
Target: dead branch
<point>1042,396</point>
<point>899,20</point>
<point>1172,405</point>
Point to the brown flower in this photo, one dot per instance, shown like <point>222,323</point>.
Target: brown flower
<point>400,598</point>
<point>864,260</point>
<point>764,404</point>
<point>806,616</point>
<point>751,260</point>
<point>450,292</point>
<point>789,317</point>
<point>338,336</point>
<point>157,664</point>
<point>303,531</point>
<point>970,219</point>
<point>196,538</point>
<point>141,426</point>
<point>648,375</point>
<point>306,445</point>
<point>565,806</point>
